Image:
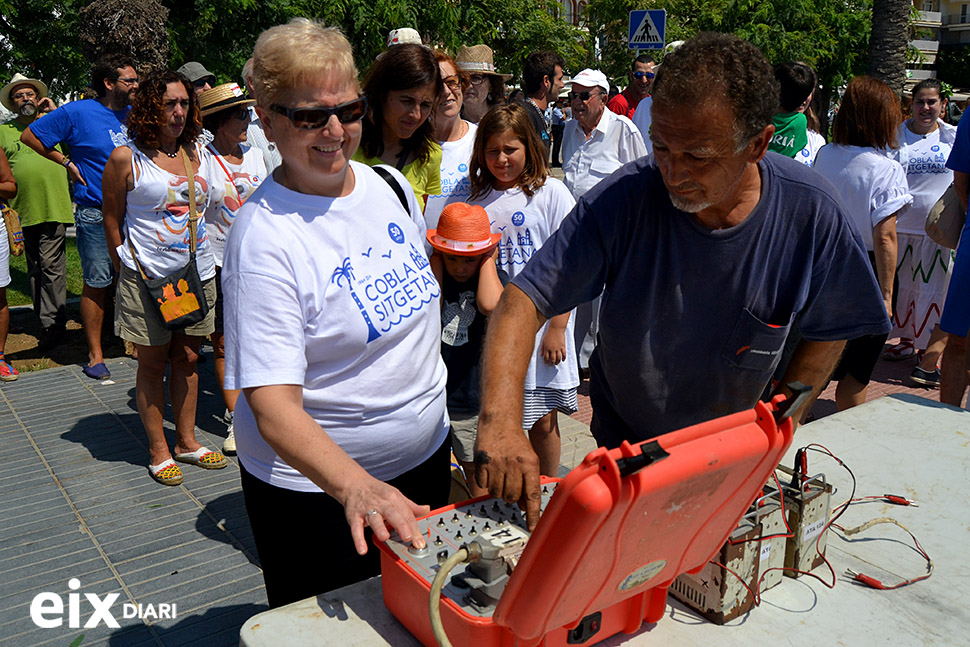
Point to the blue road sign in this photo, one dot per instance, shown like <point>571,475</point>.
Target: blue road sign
<point>647,29</point>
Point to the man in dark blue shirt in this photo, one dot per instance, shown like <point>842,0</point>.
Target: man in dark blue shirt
<point>708,255</point>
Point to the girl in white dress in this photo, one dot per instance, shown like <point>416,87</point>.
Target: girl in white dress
<point>510,179</point>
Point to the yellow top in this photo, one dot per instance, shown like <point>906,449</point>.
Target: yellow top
<point>425,178</point>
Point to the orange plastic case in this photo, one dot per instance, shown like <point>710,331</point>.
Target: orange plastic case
<point>617,531</point>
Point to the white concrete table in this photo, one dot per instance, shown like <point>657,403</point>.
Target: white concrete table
<point>900,444</point>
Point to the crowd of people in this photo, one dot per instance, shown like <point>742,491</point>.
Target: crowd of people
<point>389,273</point>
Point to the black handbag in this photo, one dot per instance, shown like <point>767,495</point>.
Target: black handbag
<point>179,298</point>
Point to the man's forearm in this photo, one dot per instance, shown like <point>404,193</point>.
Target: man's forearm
<point>509,343</point>
<point>30,140</point>
<point>812,363</point>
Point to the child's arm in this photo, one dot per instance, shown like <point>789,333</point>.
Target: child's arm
<point>554,341</point>
<point>489,285</point>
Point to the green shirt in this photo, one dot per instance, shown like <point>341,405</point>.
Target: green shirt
<point>425,178</point>
<point>42,189</point>
<point>791,133</point>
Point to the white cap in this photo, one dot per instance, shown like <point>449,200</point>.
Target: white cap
<point>403,36</point>
<point>591,79</point>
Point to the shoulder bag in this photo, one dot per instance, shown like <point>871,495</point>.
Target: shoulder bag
<point>179,298</point>
<point>946,219</point>
<point>15,234</point>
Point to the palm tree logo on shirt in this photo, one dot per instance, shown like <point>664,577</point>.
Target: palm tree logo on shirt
<point>346,271</point>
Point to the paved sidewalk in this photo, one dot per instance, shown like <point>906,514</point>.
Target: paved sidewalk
<point>77,502</point>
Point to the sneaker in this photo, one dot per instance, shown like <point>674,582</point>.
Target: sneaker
<point>7,372</point>
<point>229,444</point>
<point>926,378</point>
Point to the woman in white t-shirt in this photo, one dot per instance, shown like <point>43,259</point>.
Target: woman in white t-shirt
<point>237,170</point>
<point>923,269</point>
<point>147,223</point>
<point>456,138</point>
<point>510,179</point>
<point>874,190</point>
<point>332,332</point>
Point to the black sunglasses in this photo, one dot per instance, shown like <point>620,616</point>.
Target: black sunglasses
<point>313,118</point>
<point>583,96</point>
<point>640,75</point>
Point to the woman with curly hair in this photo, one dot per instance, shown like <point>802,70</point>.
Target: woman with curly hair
<point>402,87</point>
<point>148,217</point>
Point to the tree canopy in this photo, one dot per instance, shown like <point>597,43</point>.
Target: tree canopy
<point>49,40</point>
<point>830,35</point>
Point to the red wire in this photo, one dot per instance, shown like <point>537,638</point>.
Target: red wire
<point>837,512</point>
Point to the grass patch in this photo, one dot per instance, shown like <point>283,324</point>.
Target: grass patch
<point>18,292</point>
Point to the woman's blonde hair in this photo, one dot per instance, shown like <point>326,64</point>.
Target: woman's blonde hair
<point>297,53</point>
<point>509,117</point>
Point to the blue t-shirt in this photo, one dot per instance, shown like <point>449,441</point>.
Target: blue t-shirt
<point>91,131</point>
<point>693,321</point>
<point>959,160</point>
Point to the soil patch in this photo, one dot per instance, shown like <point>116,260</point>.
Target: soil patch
<point>21,347</point>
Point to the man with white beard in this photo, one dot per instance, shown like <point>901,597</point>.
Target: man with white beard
<point>707,254</point>
<point>44,204</point>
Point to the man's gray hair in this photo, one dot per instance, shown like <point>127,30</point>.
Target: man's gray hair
<point>721,69</point>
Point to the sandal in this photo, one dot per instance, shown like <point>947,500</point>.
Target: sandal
<point>97,372</point>
<point>168,473</point>
<point>204,458</point>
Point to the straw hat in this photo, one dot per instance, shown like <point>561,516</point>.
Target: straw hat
<point>463,230</point>
<point>477,59</point>
<point>19,79</point>
<point>227,95</point>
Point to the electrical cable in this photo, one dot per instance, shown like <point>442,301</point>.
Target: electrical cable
<point>837,512</point>
<point>434,599</point>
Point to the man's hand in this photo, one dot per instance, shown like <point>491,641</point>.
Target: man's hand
<point>74,175</point>
<point>508,468</point>
<point>46,105</point>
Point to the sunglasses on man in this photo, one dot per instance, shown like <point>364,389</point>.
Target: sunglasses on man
<point>583,96</point>
<point>641,75</point>
<point>314,118</point>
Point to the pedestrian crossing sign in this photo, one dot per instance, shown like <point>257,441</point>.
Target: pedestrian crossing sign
<point>647,29</point>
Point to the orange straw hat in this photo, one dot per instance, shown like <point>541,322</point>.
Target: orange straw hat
<point>463,230</point>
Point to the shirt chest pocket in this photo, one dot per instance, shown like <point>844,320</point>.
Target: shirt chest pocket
<point>754,345</point>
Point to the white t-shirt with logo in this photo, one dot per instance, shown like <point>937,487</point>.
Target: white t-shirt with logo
<point>807,155</point>
<point>924,160</point>
<point>336,295</point>
<point>229,187</point>
<point>525,224</point>
<point>455,184</point>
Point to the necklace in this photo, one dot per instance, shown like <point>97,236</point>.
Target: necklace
<point>170,155</point>
<point>542,113</point>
